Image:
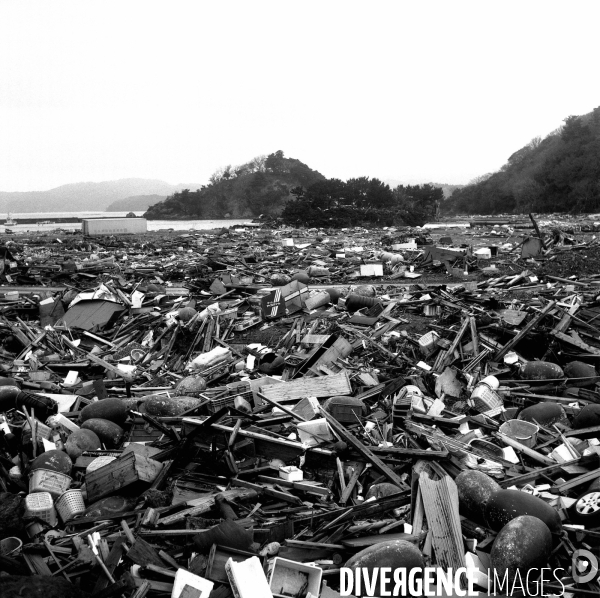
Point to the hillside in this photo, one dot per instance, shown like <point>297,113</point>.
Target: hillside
<point>560,173</point>
<point>261,186</point>
<point>82,197</point>
<point>135,203</point>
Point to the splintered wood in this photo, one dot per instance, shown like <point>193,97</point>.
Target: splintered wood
<point>321,386</point>
<point>440,501</point>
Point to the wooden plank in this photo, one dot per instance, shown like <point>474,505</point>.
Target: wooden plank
<point>300,486</point>
<point>365,541</point>
<point>114,556</point>
<point>537,230</point>
<point>575,342</point>
<point>514,317</point>
<point>524,449</point>
<point>197,506</point>
<point>363,450</point>
<point>127,469</point>
<point>532,324</point>
<point>320,387</point>
<point>358,469</point>
<point>314,339</point>
<point>277,494</point>
<point>340,348</point>
<point>449,357</point>
<point>115,370</point>
<point>143,554</point>
<point>584,478</point>
<point>566,319</point>
<point>440,500</point>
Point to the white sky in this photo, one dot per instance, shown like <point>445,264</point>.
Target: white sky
<point>416,91</point>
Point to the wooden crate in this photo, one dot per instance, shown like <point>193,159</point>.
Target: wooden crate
<point>125,471</point>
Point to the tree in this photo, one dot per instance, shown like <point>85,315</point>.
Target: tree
<point>480,179</point>
<point>276,162</point>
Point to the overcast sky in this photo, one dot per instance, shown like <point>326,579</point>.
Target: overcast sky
<point>415,91</point>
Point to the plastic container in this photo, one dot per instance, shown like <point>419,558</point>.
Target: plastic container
<point>484,397</point>
<point>70,504</point>
<point>432,311</point>
<point>10,546</point>
<point>283,578</point>
<point>484,253</point>
<point>427,343</point>
<point>409,397</point>
<point>34,528</point>
<point>14,473</point>
<point>314,432</point>
<point>41,505</point>
<point>318,300</point>
<point>42,430</point>
<point>44,480</point>
<point>316,271</point>
<point>291,473</point>
<point>347,410</point>
<point>523,432</point>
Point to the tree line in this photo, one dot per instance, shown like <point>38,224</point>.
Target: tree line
<point>361,201</point>
<point>560,173</point>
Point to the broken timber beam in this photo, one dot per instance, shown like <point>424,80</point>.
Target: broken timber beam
<point>537,230</point>
<point>363,450</point>
<point>532,324</point>
<point>561,336</point>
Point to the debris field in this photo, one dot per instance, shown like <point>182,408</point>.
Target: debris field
<point>251,412</point>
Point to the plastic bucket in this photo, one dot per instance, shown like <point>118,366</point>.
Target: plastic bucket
<point>10,546</point>
<point>70,504</point>
<point>523,432</point>
<point>432,311</point>
<point>485,399</point>
<point>44,480</point>
<point>34,528</point>
<point>41,505</point>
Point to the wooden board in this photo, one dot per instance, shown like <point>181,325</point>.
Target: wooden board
<point>514,317</point>
<point>575,342</point>
<point>365,541</point>
<point>340,348</point>
<point>124,471</point>
<point>320,387</point>
<point>440,501</point>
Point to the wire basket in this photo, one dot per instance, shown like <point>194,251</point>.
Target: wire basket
<point>70,504</point>
<point>41,505</point>
<point>44,480</point>
<point>225,396</point>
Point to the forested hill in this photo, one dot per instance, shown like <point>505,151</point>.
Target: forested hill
<point>560,173</point>
<point>261,186</point>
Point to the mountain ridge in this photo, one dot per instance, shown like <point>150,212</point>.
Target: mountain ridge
<point>86,196</point>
